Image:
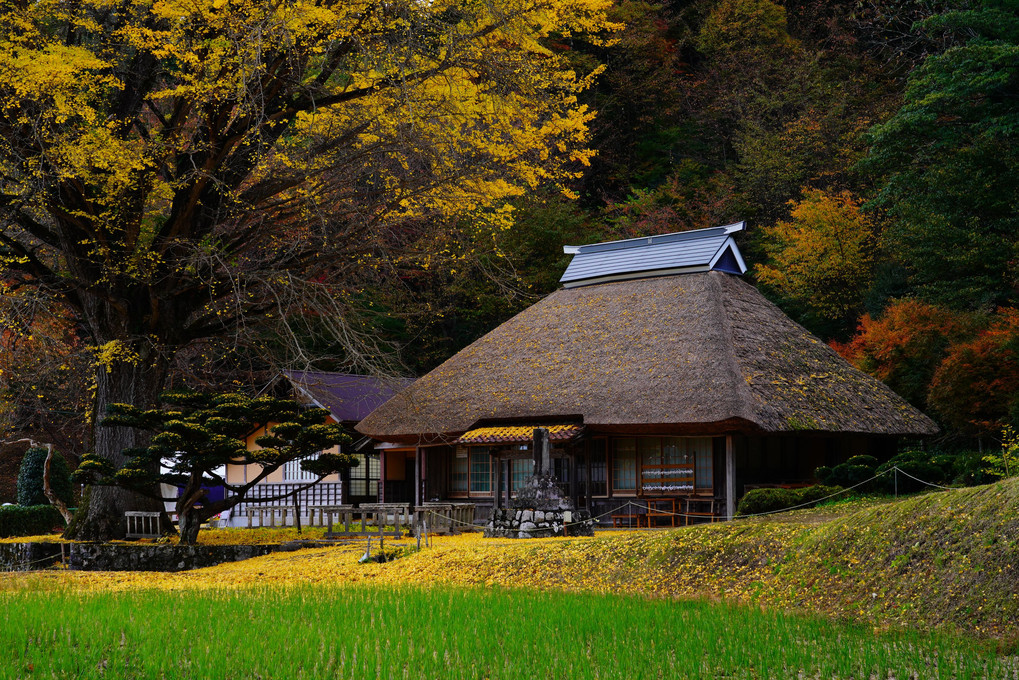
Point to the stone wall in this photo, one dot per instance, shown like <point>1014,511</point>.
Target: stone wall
<point>28,556</point>
<point>531,523</point>
<point>127,557</point>
<point>539,510</point>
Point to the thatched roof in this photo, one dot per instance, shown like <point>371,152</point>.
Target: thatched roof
<point>696,353</point>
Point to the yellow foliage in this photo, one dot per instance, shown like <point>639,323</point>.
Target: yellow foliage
<point>114,352</point>
<point>823,256</point>
<point>433,110</point>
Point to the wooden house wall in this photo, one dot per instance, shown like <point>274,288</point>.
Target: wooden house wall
<point>759,461</point>
<point>240,474</point>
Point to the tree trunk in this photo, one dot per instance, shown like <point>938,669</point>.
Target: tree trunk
<point>136,378</point>
<point>190,524</point>
<point>47,490</point>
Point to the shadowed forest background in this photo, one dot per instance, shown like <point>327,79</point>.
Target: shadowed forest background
<point>870,146</point>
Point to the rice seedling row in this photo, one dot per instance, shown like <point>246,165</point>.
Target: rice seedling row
<point>374,632</point>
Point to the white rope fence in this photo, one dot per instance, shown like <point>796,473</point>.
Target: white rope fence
<point>846,490</point>
<point>646,507</point>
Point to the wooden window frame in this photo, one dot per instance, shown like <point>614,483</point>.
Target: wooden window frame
<point>452,471</point>
<point>487,450</point>
<point>608,467</point>
<point>611,471</point>
<point>468,493</point>
<point>354,474</point>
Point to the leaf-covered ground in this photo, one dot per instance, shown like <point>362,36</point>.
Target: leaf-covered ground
<point>947,559</point>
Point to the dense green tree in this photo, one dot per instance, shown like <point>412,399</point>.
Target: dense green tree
<point>30,478</point>
<point>948,164</point>
<point>644,125</point>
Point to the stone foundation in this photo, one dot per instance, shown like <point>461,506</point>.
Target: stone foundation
<point>531,523</point>
<point>539,511</point>
<point>125,557</point>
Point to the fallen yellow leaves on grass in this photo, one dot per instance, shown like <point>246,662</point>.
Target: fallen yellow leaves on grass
<point>937,559</point>
<point>633,562</point>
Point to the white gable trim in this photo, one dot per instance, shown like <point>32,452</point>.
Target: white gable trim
<point>729,244</point>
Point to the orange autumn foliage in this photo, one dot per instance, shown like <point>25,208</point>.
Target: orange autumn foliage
<point>906,345</point>
<point>976,387</point>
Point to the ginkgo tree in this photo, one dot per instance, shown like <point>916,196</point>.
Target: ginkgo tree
<point>178,170</point>
<point>821,259</point>
<point>195,434</point>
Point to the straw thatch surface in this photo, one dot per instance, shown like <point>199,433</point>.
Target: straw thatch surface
<point>694,353</point>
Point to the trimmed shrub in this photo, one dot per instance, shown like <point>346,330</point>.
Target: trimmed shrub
<point>968,468</point>
<point>30,478</point>
<point>921,469</point>
<point>846,474</point>
<point>757,501</point>
<point>818,492</point>
<point>864,460</point>
<point>17,520</point>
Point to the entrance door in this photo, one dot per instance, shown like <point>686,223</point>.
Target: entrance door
<point>399,477</point>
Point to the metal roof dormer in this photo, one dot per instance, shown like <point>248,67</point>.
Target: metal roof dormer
<point>683,252</point>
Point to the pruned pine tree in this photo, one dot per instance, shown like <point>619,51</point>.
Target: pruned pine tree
<point>195,434</point>
<point>178,171</point>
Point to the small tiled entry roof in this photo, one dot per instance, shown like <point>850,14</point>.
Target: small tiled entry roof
<point>518,434</point>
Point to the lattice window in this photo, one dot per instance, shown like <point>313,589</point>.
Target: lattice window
<point>292,471</point>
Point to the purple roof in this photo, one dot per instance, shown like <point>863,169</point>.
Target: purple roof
<point>349,398</point>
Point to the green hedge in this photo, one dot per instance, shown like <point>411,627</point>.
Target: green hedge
<point>849,473</point>
<point>30,478</point>
<point>757,501</point>
<point>18,520</point>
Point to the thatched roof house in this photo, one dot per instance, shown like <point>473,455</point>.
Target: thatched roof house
<point>696,353</point>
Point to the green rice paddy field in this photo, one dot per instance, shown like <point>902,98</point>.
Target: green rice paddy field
<point>470,633</point>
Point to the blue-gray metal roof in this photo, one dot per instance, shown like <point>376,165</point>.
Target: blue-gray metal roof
<point>348,397</point>
<point>681,252</point>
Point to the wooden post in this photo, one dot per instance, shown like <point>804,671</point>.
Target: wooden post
<point>424,475</point>
<point>498,485</point>
<point>382,476</point>
<point>587,486</point>
<point>546,452</point>
<point>536,451</point>
<point>509,482</point>
<point>417,475</point>
<point>572,462</point>
<point>730,478</point>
